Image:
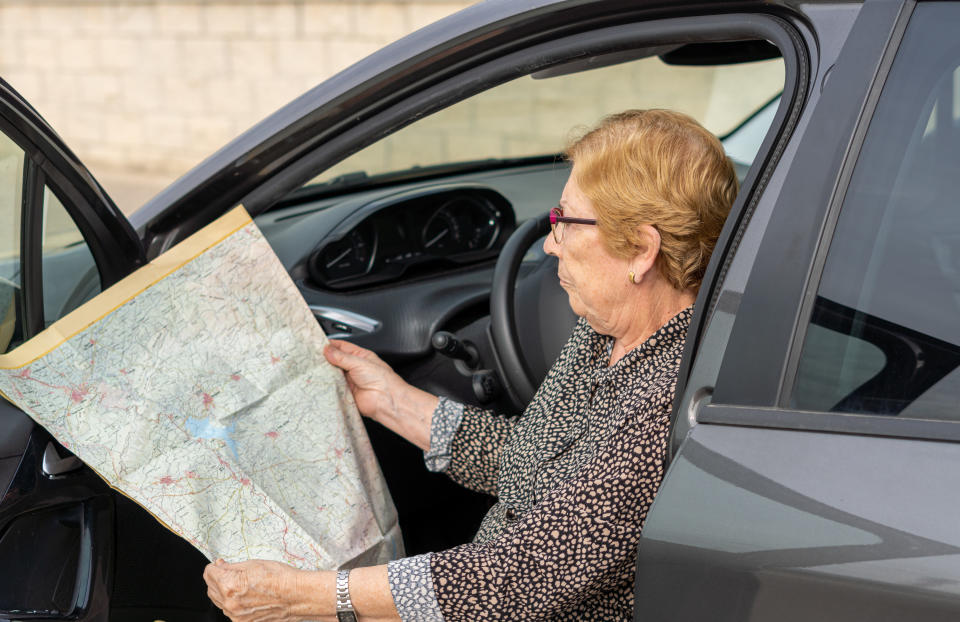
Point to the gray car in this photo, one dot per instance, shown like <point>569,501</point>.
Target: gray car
<point>815,434</point>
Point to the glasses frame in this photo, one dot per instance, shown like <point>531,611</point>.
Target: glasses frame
<point>557,219</point>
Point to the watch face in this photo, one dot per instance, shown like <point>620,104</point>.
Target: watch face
<point>346,616</point>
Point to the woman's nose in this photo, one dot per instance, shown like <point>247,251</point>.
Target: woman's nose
<point>550,246</point>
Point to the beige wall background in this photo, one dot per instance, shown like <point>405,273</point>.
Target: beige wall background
<point>142,90</point>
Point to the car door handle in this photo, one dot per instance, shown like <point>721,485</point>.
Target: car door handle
<point>339,323</point>
<point>54,465</point>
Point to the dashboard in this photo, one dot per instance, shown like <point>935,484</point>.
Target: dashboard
<point>395,281</point>
<point>425,232</point>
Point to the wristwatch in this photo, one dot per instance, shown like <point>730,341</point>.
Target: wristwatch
<point>345,612</point>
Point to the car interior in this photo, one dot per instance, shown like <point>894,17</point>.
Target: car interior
<point>396,248</point>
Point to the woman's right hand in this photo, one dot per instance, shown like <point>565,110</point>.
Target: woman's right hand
<point>382,395</point>
<point>373,383</point>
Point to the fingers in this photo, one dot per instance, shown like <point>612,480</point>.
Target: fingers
<point>337,355</point>
<point>349,357</point>
<point>211,575</point>
<point>226,585</point>
<point>349,348</point>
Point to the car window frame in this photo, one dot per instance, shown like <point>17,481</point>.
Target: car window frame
<point>816,276</point>
<point>641,33</point>
<point>115,245</point>
<point>757,373</point>
<point>48,163</point>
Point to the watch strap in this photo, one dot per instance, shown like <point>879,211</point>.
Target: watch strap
<point>345,612</point>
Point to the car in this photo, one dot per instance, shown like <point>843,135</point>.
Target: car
<point>815,436</point>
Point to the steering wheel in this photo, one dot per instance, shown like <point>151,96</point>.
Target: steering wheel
<point>530,318</point>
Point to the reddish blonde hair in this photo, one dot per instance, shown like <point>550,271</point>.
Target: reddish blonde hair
<point>660,168</point>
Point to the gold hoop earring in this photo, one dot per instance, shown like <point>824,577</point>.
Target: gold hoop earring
<point>632,277</point>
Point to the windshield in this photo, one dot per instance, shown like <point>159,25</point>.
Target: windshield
<point>536,117</point>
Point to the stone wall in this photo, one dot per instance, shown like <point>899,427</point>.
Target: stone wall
<point>143,90</point>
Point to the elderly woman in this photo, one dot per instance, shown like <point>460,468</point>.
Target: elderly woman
<point>576,473</point>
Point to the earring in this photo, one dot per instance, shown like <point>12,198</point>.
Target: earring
<point>632,277</point>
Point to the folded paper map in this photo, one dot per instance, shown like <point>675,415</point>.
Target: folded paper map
<point>197,386</point>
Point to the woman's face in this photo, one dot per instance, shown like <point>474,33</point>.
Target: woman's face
<point>596,281</point>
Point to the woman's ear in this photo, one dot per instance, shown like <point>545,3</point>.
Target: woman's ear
<point>647,251</point>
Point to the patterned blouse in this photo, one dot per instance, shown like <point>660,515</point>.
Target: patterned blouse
<point>574,476</point>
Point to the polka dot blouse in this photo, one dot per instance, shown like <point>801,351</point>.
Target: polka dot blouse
<point>574,476</point>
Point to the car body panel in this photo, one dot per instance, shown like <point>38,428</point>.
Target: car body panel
<point>761,524</point>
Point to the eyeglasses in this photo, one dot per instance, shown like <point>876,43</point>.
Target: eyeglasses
<point>557,220</point>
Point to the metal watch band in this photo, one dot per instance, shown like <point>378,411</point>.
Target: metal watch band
<point>345,611</point>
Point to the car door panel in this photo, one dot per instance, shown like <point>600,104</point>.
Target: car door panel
<point>56,538</point>
<point>763,524</point>
<point>794,496</point>
<point>16,428</point>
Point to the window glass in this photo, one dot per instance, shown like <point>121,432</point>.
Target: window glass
<point>533,116</point>
<point>70,275</point>
<point>11,186</point>
<point>885,329</point>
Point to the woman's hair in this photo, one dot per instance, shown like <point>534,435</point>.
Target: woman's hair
<point>660,168</point>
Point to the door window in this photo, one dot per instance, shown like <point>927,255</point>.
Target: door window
<point>533,116</point>
<point>11,189</point>
<point>70,275</point>
<point>884,335</point>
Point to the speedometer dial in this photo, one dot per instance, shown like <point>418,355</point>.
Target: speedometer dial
<point>348,257</point>
<point>479,222</point>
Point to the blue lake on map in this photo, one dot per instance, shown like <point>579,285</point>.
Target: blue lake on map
<point>207,428</point>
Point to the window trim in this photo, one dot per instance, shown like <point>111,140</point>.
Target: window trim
<point>538,56</point>
<point>49,164</point>
<point>837,423</point>
<point>31,256</point>
<point>797,78</point>
<point>116,247</point>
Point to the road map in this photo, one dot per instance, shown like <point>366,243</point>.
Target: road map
<point>197,386</point>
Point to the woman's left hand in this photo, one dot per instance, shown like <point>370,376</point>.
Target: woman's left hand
<point>260,590</point>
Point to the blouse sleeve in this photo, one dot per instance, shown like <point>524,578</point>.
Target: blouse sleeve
<point>465,442</point>
<point>411,586</point>
<point>444,424</point>
<point>578,542</point>
<point>476,447</point>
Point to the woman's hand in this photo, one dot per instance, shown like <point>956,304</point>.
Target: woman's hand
<point>375,386</point>
<point>261,590</point>
<point>383,395</point>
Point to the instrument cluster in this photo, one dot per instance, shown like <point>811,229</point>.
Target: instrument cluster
<point>428,234</point>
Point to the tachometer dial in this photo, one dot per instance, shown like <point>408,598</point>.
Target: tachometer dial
<point>441,234</point>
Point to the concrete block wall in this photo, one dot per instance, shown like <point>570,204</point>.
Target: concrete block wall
<point>143,90</point>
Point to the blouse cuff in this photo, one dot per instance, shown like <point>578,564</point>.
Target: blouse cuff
<point>446,420</point>
<point>411,585</point>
